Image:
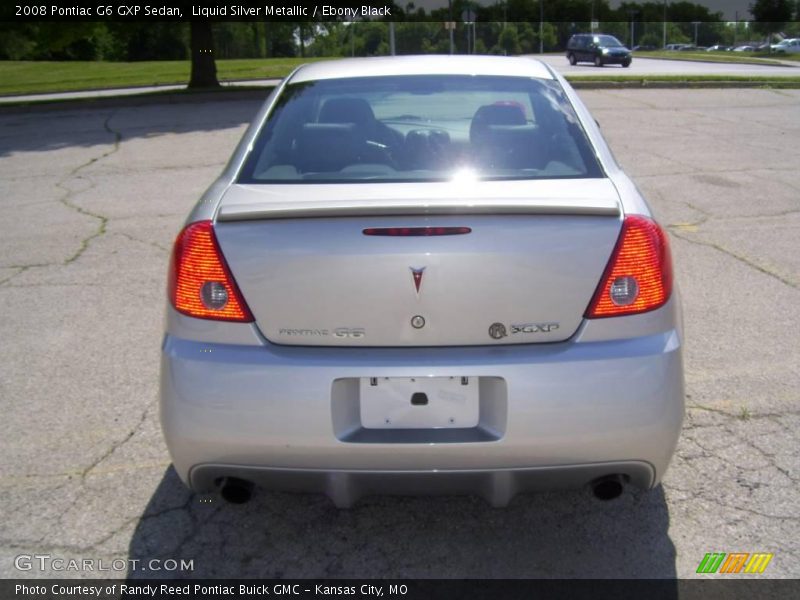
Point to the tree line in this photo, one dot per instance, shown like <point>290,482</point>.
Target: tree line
<point>505,27</point>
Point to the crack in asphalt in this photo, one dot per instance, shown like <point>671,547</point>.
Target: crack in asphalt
<point>94,547</point>
<point>742,259</point>
<point>678,229</point>
<point>146,242</point>
<point>727,454</point>
<point>196,524</point>
<point>65,199</point>
<point>83,490</point>
<point>118,444</point>
<point>10,277</point>
<point>79,477</point>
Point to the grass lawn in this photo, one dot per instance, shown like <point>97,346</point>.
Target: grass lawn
<point>31,77</point>
<point>758,58</point>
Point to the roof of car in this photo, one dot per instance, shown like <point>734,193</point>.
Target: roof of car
<point>423,65</point>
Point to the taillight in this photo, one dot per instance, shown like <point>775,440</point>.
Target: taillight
<point>200,283</point>
<point>638,277</point>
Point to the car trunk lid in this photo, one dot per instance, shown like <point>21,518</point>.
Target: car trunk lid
<point>524,271</point>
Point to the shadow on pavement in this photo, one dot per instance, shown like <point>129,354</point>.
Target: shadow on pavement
<point>277,535</point>
<point>42,131</point>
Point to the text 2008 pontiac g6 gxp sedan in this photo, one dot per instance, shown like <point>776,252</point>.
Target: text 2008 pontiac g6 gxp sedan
<point>422,275</point>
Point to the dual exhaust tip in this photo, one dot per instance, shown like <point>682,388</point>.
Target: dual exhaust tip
<point>239,491</point>
<point>608,487</point>
<point>235,490</point>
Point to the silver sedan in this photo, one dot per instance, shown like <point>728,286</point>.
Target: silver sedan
<point>422,275</point>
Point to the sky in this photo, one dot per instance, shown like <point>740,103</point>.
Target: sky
<point>728,8</point>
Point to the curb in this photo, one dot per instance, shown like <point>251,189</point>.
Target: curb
<point>645,83</point>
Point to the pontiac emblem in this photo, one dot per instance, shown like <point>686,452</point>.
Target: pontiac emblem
<point>417,274</point>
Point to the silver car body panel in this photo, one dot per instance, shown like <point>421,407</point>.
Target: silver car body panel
<point>306,281</point>
<point>608,398</point>
<point>559,407</point>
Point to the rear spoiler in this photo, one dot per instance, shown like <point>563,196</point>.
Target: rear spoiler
<point>253,202</point>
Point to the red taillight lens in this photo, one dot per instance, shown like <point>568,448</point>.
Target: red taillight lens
<point>638,277</point>
<point>200,283</point>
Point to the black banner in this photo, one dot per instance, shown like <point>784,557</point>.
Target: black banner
<point>290,11</point>
<point>395,589</point>
<point>198,10</point>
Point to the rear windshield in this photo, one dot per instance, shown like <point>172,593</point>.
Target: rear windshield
<point>420,128</point>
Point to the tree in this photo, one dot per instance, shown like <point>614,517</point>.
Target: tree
<point>508,41</point>
<point>204,68</point>
<point>771,15</point>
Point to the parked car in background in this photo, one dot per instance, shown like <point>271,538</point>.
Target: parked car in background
<point>600,49</point>
<point>718,48</point>
<point>789,45</point>
<point>676,47</point>
<point>422,274</point>
<point>744,48</point>
<point>645,48</point>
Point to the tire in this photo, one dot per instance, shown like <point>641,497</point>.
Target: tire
<point>571,59</point>
<point>598,62</point>
<point>626,64</point>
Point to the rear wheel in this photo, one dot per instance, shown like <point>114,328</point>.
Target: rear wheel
<point>571,59</point>
<point>598,62</point>
<point>626,63</point>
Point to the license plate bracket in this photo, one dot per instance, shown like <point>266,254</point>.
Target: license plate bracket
<point>419,402</point>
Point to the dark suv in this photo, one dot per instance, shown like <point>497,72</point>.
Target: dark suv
<point>598,48</point>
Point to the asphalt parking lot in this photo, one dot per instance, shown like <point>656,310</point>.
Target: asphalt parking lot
<point>91,201</point>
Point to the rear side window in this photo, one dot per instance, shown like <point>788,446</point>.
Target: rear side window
<point>420,128</point>
<point>607,41</point>
<point>581,42</point>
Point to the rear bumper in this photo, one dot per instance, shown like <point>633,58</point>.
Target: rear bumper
<point>497,486</point>
<point>615,60</point>
<point>552,416</point>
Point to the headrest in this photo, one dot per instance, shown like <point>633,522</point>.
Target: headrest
<point>327,146</point>
<point>347,110</point>
<point>495,114</point>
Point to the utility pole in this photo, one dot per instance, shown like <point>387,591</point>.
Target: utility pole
<point>391,38</point>
<point>541,26</point>
<point>451,25</point>
<point>632,14</point>
<point>468,17</point>
<point>696,24</point>
<point>664,32</point>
